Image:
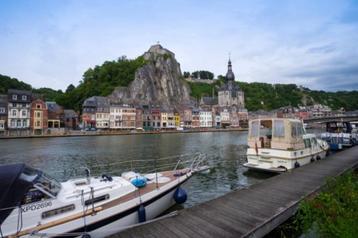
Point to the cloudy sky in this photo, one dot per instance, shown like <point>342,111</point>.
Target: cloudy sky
<point>310,43</point>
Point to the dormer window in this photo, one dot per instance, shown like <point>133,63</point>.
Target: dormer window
<point>24,97</point>
<point>14,97</point>
<point>38,106</point>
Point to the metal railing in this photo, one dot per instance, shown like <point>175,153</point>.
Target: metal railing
<point>169,163</point>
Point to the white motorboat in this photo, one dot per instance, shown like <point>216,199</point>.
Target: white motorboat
<point>340,134</point>
<point>32,204</point>
<point>281,144</point>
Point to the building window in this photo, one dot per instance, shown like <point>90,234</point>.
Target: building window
<point>18,124</point>
<point>13,123</point>
<point>38,123</point>
<point>24,123</point>
<point>14,105</point>
<point>24,97</point>
<point>14,97</point>
<point>2,110</point>
<point>2,125</point>
<point>13,113</point>
<point>23,113</point>
<point>38,114</point>
<point>38,106</point>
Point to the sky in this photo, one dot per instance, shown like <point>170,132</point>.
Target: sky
<point>309,43</point>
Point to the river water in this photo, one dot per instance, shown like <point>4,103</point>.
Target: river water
<point>225,150</point>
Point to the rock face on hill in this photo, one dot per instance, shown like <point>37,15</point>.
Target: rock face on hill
<point>158,82</point>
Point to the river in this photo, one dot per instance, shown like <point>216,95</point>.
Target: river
<point>55,155</point>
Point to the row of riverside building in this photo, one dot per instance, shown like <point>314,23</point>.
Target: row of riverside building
<point>23,113</point>
<point>100,113</point>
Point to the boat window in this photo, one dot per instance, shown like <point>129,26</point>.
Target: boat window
<point>96,199</point>
<point>266,128</point>
<point>296,129</point>
<point>307,143</point>
<point>254,129</point>
<point>58,211</point>
<point>279,128</point>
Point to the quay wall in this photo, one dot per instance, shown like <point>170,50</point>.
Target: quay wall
<point>76,133</point>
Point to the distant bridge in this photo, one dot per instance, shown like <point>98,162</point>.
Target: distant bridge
<point>344,118</point>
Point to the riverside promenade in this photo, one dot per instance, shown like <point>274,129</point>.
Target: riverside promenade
<point>250,212</point>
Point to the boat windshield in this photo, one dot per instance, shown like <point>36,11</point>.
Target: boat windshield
<point>48,184</point>
<point>44,187</point>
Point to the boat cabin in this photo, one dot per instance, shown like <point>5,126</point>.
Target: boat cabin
<point>276,133</point>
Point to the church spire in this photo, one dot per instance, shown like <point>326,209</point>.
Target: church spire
<point>230,75</point>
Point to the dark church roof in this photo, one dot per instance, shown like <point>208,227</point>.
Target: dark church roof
<point>230,76</point>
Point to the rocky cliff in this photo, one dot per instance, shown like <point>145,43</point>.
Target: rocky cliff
<point>158,82</point>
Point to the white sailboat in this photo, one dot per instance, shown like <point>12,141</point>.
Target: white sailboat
<point>281,144</point>
<point>32,204</point>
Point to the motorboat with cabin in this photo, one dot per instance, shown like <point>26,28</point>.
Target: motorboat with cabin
<point>32,204</point>
<point>281,144</point>
<point>339,134</point>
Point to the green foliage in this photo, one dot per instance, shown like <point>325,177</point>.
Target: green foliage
<point>199,90</point>
<point>101,81</point>
<point>334,212</point>
<point>48,94</point>
<point>167,56</point>
<point>12,83</point>
<point>70,88</point>
<point>336,100</point>
<point>6,83</point>
<point>272,96</point>
<point>204,74</point>
<point>186,74</point>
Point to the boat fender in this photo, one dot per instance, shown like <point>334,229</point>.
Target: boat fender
<point>107,177</point>
<point>141,214</point>
<point>139,181</point>
<point>180,195</point>
<point>318,157</point>
<point>297,164</point>
<point>312,160</point>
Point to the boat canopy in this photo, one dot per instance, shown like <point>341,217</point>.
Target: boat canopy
<point>276,133</point>
<point>15,181</point>
<point>339,127</point>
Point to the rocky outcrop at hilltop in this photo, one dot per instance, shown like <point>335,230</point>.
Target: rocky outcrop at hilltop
<point>158,82</point>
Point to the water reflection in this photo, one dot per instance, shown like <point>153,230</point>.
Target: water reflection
<point>105,153</point>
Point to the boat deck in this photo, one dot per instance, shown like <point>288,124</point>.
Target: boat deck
<point>250,212</point>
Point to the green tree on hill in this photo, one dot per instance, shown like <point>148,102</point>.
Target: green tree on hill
<point>101,81</point>
<point>204,74</point>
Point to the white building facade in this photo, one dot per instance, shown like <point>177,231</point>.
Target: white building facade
<point>206,118</point>
<point>19,109</point>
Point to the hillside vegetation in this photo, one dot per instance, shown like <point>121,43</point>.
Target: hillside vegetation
<point>272,96</point>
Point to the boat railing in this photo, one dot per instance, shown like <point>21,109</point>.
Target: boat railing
<point>169,163</point>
